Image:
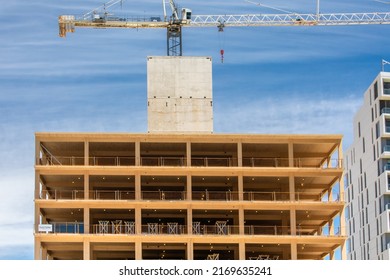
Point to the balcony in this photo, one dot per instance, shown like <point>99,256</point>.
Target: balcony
<point>385,110</point>
<point>265,162</point>
<point>67,228</point>
<point>106,227</point>
<point>182,195</point>
<point>163,161</point>
<point>213,161</point>
<point>195,161</point>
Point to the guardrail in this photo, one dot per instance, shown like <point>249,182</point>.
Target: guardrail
<point>195,161</point>
<point>129,228</point>
<point>182,195</point>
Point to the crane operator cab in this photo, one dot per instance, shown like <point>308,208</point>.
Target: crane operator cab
<point>186,14</point>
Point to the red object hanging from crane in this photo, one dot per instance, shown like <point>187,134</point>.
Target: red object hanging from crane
<point>222,53</point>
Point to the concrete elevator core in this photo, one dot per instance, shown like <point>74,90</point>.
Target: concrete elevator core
<point>179,94</point>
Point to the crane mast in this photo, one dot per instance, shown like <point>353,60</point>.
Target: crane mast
<point>184,18</point>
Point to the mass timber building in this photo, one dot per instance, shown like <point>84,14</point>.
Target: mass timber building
<point>183,192</point>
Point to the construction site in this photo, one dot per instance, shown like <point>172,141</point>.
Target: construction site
<point>180,190</point>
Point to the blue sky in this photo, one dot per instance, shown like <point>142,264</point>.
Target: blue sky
<point>274,80</point>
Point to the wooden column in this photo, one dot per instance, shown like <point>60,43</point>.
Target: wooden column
<point>37,216</point>
<point>188,154</point>
<point>37,249</point>
<point>44,254</point>
<point>239,154</point>
<point>291,186</point>
<point>86,153</point>
<point>189,220</point>
<point>37,151</point>
<point>138,250</point>
<point>293,221</point>
<point>190,250</point>
<point>138,220</point>
<point>37,185</point>
<point>290,154</point>
<point>86,249</point>
<point>240,187</point>
<point>331,227</point>
<point>294,254</point>
<point>241,249</point>
<point>189,188</point>
<point>137,153</point>
<point>86,185</point>
<point>241,219</point>
<point>137,186</point>
<point>87,229</point>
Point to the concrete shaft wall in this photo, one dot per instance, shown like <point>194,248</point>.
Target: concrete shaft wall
<point>180,94</point>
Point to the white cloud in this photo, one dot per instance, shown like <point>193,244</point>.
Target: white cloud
<point>289,115</point>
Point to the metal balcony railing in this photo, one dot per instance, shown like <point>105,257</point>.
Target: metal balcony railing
<point>114,227</point>
<point>195,161</point>
<point>214,161</point>
<point>163,161</point>
<point>61,194</point>
<point>112,195</point>
<point>182,195</point>
<point>112,161</point>
<point>265,162</point>
<point>214,195</point>
<point>60,160</point>
<point>105,227</point>
<point>163,195</point>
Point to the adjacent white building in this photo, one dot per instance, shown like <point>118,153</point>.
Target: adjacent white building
<point>367,168</point>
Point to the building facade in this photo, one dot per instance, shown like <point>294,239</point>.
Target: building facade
<point>367,173</point>
<point>188,196</point>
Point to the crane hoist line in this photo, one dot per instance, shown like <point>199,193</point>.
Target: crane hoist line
<point>100,18</point>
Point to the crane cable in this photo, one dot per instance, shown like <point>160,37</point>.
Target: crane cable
<point>221,39</point>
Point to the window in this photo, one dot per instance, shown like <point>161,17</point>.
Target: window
<point>377,227</point>
<point>376,190</point>
<point>370,97</point>
<point>388,183</point>
<point>375,90</point>
<point>377,130</point>
<point>365,180</point>
<point>364,146</point>
<point>386,88</point>
<point>359,131</point>
<point>387,126</point>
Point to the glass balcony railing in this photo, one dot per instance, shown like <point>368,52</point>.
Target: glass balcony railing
<point>386,91</point>
<point>67,228</point>
<point>385,110</point>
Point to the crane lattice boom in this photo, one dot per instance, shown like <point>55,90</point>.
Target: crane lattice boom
<point>174,24</point>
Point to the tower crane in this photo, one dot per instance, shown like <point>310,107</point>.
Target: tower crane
<point>100,18</point>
